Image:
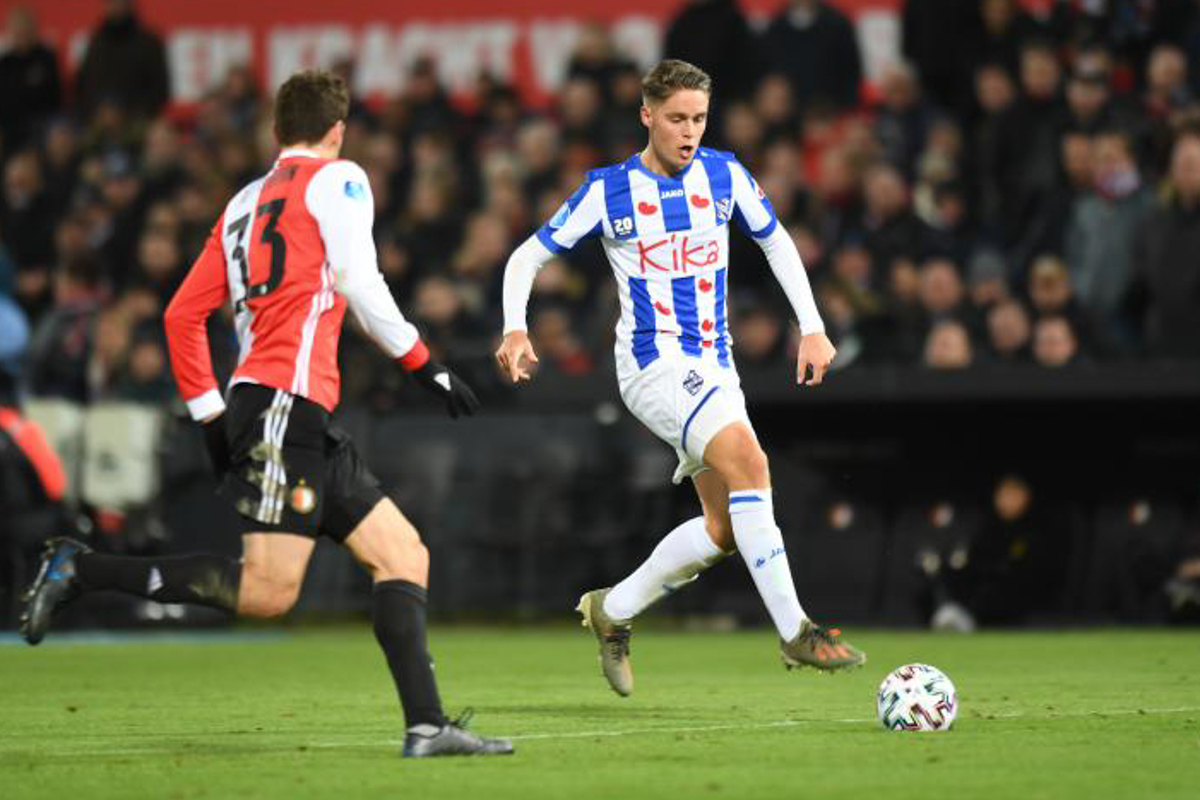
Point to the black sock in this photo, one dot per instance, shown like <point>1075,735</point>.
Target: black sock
<point>201,579</point>
<point>399,611</point>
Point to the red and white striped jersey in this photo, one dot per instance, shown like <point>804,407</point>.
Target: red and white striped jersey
<point>291,251</point>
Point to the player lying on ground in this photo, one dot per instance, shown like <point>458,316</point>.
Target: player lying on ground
<point>663,218</point>
<point>292,250</point>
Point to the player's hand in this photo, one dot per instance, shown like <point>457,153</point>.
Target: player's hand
<point>437,378</point>
<point>816,351</point>
<point>217,444</point>
<point>513,349</point>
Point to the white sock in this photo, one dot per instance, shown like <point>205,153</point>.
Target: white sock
<point>678,559</point>
<point>761,545</point>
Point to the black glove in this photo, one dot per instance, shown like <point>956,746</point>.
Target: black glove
<point>438,378</point>
<point>217,444</point>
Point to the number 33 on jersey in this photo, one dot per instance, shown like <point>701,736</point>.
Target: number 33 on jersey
<point>291,251</point>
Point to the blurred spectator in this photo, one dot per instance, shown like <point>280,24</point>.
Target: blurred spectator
<point>936,36</point>
<point>1169,271</point>
<point>124,67</point>
<point>1003,28</point>
<point>816,47</point>
<point>29,83</point>
<point>1047,229</point>
<point>27,212</point>
<point>1028,162</point>
<point>760,333</point>
<point>1167,97</point>
<point>891,228</point>
<point>941,290</point>
<point>1102,232</point>
<point>61,348</point>
<point>714,35</point>
<point>902,119</point>
<point>559,347</point>
<point>995,94</point>
<point>948,346</point>
<point>1055,343</point>
<point>1017,565</point>
<point>1009,332</point>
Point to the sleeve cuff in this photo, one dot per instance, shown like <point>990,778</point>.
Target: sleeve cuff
<point>415,358</point>
<point>206,405</point>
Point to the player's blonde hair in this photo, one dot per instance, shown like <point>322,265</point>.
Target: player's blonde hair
<point>670,76</point>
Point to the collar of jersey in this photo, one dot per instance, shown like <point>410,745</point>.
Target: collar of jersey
<point>296,152</point>
<point>636,161</point>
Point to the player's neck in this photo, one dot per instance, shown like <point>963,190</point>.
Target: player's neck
<point>318,149</point>
<point>652,162</point>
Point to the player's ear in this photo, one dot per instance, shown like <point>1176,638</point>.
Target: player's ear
<point>646,115</point>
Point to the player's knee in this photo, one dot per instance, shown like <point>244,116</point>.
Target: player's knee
<point>749,466</point>
<point>265,598</point>
<point>720,531</point>
<point>409,562</point>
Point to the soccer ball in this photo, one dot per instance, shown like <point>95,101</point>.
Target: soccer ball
<point>917,697</point>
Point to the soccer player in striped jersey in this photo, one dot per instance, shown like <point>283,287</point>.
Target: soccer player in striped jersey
<point>292,251</point>
<point>663,218</point>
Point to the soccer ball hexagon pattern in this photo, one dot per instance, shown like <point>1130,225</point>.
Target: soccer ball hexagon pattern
<point>917,697</point>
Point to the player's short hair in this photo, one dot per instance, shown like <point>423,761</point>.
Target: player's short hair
<point>308,105</point>
<point>670,76</point>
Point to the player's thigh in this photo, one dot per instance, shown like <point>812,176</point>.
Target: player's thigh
<point>714,500</point>
<point>388,545</point>
<point>273,567</point>
<point>733,451</point>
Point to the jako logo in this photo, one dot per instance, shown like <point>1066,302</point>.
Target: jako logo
<point>761,561</point>
<point>671,193</point>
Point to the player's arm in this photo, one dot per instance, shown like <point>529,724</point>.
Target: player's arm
<point>578,218</point>
<point>339,198</point>
<point>757,218</point>
<point>204,290</point>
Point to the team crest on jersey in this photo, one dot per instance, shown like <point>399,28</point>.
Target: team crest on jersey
<point>302,498</point>
<point>693,382</point>
<point>355,190</point>
<point>723,209</point>
<point>560,217</point>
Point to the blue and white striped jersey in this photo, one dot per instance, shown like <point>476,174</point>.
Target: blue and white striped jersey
<point>667,240</point>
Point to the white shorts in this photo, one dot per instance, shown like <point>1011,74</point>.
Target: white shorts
<point>685,402</point>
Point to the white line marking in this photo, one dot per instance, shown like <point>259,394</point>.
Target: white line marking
<point>190,740</point>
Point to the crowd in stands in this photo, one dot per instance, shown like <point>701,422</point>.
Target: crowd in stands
<point>1019,189</point>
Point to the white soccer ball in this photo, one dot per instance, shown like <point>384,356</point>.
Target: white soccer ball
<point>917,697</point>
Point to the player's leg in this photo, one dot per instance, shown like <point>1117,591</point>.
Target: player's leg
<point>358,515</point>
<point>681,555</point>
<point>734,452</point>
<point>390,549</point>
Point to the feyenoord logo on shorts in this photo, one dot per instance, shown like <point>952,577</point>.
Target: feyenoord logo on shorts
<point>302,499</point>
<point>693,382</point>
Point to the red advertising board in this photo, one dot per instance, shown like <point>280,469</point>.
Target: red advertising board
<point>526,41</point>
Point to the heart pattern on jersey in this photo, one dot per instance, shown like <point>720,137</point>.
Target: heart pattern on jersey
<point>707,325</point>
<point>707,343</point>
<point>647,208</point>
<point>699,202</point>
<point>705,286</point>
<point>660,308</point>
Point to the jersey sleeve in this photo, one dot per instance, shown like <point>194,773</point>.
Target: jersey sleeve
<point>752,211</point>
<point>204,290</point>
<point>339,198</point>
<point>579,217</point>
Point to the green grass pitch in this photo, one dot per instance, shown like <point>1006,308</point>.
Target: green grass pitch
<point>299,713</point>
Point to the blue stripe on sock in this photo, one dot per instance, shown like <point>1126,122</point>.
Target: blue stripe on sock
<point>683,292</point>
<point>691,416</point>
<point>746,499</point>
<point>644,323</point>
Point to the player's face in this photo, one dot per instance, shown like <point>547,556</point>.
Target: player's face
<point>676,125</point>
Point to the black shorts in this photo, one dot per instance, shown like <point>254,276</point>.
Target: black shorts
<point>292,471</point>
